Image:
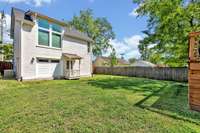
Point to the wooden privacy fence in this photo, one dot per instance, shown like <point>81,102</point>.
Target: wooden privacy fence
<point>160,73</point>
<point>5,66</point>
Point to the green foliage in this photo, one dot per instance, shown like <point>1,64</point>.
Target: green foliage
<point>169,23</point>
<point>113,58</point>
<point>98,29</point>
<point>132,60</point>
<point>7,51</point>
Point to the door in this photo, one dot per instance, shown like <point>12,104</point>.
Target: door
<point>47,68</point>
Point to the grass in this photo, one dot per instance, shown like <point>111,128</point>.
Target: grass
<point>99,104</point>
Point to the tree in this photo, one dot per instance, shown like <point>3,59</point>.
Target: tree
<point>113,58</point>
<point>169,23</point>
<point>132,60</point>
<point>98,29</point>
<point>7,51</point>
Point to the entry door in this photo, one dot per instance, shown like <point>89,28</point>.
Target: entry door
<point>69,65</point>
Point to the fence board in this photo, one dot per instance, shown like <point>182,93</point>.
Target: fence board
<point>160,73</point>
<point>5,66</point>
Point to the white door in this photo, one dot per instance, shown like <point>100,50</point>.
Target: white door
<point>48,68</point>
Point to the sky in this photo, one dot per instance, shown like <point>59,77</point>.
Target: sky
<point>120,13</point>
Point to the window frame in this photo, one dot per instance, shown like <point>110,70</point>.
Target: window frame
<point>60,34</point>
<point>42,60</point>
<point>44,30</point>
<point>55,61</point>
<point>51,32</point>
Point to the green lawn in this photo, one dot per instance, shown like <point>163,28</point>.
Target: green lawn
<point>99,104</point>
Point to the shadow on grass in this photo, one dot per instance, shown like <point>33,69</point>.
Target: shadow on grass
<point>163,97</point>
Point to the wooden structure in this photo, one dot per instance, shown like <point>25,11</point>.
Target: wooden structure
<point>194,71</point>
<point>5,66</point>
<point>179,74</point>
<point>71,66</point>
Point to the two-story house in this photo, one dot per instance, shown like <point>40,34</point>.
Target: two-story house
<point>45,48</point>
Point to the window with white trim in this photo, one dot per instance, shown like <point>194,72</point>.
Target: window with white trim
<point>49,34</point>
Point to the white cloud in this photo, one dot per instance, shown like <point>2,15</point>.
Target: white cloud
<point>128,46</point>
<point>133,13</point>
<point>34,2</point>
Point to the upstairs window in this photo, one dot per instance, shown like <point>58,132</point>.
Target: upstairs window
<point>43,23</point>
<point>43,37</point>
<point>56,28</point>
<point>56,40</point>
<point>49,34</point>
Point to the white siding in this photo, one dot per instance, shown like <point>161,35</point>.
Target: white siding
<point>74,46</point>
<point>30,51</point>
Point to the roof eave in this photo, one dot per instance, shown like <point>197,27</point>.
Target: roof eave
<point>47,18</point>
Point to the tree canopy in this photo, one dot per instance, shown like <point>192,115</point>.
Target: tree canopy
<point>132,60</point>
<point>7,51</point>
<point>98,29</point>
<point>168,25</point>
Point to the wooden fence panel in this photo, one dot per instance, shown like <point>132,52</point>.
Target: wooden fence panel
<point>5,66</point>
<point>165,73</point>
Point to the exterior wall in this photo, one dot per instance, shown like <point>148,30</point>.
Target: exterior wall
<point>27,50</point>
<point>74,46</point>
<point>17,49</point>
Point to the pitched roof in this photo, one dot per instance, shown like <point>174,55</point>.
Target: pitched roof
<point>68,31</point>
<point>71,56</point>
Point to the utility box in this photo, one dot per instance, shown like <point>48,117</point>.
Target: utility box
<point>194,71</point>
<point>8,74</point>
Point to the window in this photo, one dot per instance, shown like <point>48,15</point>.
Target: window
<point>56,28</point>
<point>55,61</point>
<point>49,34</point>
<point>88,47</point>
<point>67,65</point>
<point>43,37</point>
<point>43,23</point>
<point>56,40</point>
<point>43,60</point>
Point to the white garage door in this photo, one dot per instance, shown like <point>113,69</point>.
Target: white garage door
<point>47,68</point>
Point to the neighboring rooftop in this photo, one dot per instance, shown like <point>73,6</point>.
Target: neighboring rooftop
<point>105,61</point>
<point>142,63</point>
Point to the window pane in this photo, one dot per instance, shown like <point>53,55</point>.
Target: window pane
<point>55,61</point>
<point>43,60</point>
<point>56,28</point>
<point>56,40</point>
<point>43,23</point>
<point>43,38</point>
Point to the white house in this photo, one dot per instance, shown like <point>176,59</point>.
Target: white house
<point>45,48</point>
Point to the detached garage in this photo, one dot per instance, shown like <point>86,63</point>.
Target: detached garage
<point>48,68</point>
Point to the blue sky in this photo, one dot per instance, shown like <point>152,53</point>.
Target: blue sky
<point>119,13</point>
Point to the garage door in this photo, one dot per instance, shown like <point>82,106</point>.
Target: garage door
<point>47,68</point>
